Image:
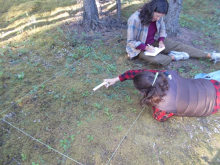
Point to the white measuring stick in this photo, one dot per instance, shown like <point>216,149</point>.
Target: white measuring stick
<point>100,85</point>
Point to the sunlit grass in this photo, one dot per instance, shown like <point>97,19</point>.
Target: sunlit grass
<point>30,15</point>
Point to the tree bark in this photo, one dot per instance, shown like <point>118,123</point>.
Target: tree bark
<point>118,2</point>
<point>90,13</point>
<point>172,17</point>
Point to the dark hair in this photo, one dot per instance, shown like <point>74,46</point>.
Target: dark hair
<point>152,94</point>
<point>147,11</point>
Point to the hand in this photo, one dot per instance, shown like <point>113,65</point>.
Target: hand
<point>111,81</point>
<point>150,48</point>
<point>161,44</point>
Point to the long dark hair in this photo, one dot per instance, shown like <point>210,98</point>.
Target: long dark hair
<point>147,11</point>
<point>152,94</point>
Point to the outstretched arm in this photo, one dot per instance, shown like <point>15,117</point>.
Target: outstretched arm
<point>128,75</point>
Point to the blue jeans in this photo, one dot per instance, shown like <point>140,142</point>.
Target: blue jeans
<point>210,76</point>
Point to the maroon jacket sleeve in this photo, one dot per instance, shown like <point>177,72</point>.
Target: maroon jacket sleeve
<point>141,47</point>
<point>128,75</point>
<point>161,38</point>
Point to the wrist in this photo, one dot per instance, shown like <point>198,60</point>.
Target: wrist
<point>117,79</point>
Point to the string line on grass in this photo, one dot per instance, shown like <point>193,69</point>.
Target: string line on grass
<point>40,142</point>
<point>125,136</point>
<point>42,84</point>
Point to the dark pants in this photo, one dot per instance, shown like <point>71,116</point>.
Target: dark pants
<point>171,45</point>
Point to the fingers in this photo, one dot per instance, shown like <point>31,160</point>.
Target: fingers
<point>152,48</point>
<point>108,83</point>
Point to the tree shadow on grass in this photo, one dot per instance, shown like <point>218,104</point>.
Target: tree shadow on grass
<point>18,20</point>
<point>215,160</point>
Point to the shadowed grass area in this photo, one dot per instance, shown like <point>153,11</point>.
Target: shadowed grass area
<point>48,71</point>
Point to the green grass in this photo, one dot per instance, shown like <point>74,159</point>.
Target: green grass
<point>202,16</point>
<point>48,70</point>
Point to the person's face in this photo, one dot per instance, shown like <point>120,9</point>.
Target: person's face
<point>157,16</point>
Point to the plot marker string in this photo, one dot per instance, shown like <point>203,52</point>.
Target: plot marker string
<point>125,136</point>
<point>40,85</point>
<point>41,142</point>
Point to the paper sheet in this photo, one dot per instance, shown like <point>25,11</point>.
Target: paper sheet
<point>157,50</point>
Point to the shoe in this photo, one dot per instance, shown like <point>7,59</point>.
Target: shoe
<point>179,55</point>
<point>215,57</point>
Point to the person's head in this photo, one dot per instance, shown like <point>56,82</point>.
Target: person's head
<point>152,94</point>
<point>153,11</point>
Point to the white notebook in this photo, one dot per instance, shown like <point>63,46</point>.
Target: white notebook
<point>156,51</point>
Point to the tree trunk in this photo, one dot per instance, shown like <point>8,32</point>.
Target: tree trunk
<point>90,13</point>
<point>172,17</point>
<point>118,2</point>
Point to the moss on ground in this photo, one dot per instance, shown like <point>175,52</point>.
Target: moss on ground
<point>48,70</point>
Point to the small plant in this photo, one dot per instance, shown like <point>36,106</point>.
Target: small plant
<point>84,34</point>
<point>75,55</point>
<point>63,97</point>
<point>72,137</point>
<point>79,123</point>
<point>56,96</point>
<point>135,92</point>
<point>106,57</point>
<point>134,110</point>
<point>23,157</point>
<point>111,68</point>
<point>181,70</point>
<point>72,89</point>
<point>201,61</point>
<point>35,88</point>
<point>95,71</point>
<point>40,70</point>
<point>65,144</point>
<point>190,65</point>
<point>119,128</point>
<point>90,137</point>
<point>22,51</point>
<point>110,116</point>
<point>21,76</point>
<point>128,98</point>
<point>106,111</point>
<point>85,94</point>
<point>42,86</point>
<point>208,65</point>
<point>34,163</point>
<point>96,105</point>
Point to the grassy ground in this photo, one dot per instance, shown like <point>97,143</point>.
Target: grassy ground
<point>49,113</point>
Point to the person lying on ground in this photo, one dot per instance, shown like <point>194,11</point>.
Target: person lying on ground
<point>146,30</point>
<point>169,94</point>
